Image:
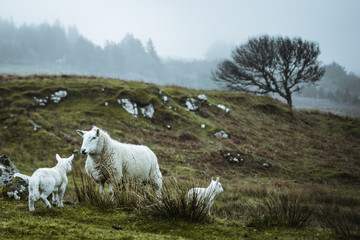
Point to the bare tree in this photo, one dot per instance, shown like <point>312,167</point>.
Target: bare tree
<point>271,65</point>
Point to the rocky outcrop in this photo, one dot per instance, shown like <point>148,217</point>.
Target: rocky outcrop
<point>7,170</point>
<point>9,187</point>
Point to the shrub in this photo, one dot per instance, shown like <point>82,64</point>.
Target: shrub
<point>343,222</point>
<point>127,193</point>
<point>282,209</point>
<point>175,205</point>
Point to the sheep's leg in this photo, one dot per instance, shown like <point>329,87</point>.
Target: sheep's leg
<point>55,198</point>
<point>112,194</point>
<point>102,192</point>
<point>157,184</point>
<point>43,198</point>
<point>210,204</point>
<point>31,204</point>
<point>60,196</point>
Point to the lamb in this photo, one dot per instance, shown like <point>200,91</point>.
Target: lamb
<point>109,160</point>
<point>206,194</point>
<point>45,181</point>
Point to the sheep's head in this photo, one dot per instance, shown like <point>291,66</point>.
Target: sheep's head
<point>217,185</point>
<point>67,162</point>
<point>90,140</point>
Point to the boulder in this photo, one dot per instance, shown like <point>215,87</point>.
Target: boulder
<point>202,97</point>
<point>221,135</point>
<point>129,106</point>
<point>17,189</point>
<point>7,170</point>
<point>227,110</point>
<point>192,104</point>
<point>148,111</point>
<point>9,187</point>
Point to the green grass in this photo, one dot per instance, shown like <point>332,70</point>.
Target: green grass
<point>304,150</point>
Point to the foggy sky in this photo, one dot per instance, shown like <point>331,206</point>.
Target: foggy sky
<point>187,28</point>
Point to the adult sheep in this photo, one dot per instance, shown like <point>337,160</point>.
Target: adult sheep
<point>108,160</point>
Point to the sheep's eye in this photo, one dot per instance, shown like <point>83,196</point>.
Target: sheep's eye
<point>93,138</point>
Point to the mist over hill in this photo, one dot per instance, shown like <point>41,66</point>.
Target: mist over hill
<point>45,48</point>
<point>53,49</point>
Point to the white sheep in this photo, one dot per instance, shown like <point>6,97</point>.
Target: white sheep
<point>109,160</point>
<point>206,194</point>
<point>45,181</point>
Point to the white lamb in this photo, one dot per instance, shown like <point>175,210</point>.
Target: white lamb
<point>108,160</point>
<point>206,194</point>
<point>45,181</point>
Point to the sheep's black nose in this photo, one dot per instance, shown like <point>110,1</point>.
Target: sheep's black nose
<point>83,151</point>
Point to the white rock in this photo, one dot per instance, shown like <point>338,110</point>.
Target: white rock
<point>235,160</point>
<point>202,97</point>
<point>191,104</point>
<point>57,96</point>
<point>148,111</point>
<point>227,110</point>
<point>168,126</point>
<point>41,102</point>
<point>165,99</point>
<point>266,164</point>
<point>221,134</point>
<point>203,126</point>
<point>129,106</point>
<point>106,104</point>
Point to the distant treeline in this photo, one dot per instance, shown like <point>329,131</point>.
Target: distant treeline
<point>55,49</point>
<point>49,48</point>
<point>337,85</point>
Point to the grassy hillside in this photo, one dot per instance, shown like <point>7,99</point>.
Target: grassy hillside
<point>275,149</point>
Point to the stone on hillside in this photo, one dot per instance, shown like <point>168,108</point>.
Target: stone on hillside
<point>17,189</point>
<point>7,170</point>
<point>191,104</point>
<point>57,96</point>
<point>148,111</point>
<point>35,126</point>
<point>227,110</point>
<point>202,97</point>
<point>265,164</point>
<point>221,135</point>
<point>129,106</point>
<point>203,125</point>
<point>40,101</point>
<point>106,104</point>
<point>165,99</point>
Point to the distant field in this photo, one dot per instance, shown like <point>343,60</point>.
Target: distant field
<point>326,105</point>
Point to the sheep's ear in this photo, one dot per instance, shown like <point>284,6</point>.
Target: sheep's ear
<point>81,133</point>
<point>71,158</point>
<point>98,132</point>
<point>217,179</point>
<point>58,158</point>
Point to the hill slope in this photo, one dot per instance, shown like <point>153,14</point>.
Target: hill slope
<point>266,142</point>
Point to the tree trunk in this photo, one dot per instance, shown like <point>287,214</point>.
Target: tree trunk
<point>289,101</point>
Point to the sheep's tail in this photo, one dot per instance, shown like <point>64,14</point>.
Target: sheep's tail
<point>22,176</point>
<point>34,192</point>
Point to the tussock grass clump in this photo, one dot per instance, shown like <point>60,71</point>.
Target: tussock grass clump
<point>127,193</point>
<point>343,222</point>
<point>175,205</point>
<point>282,208</point>
<point>130,195</point>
